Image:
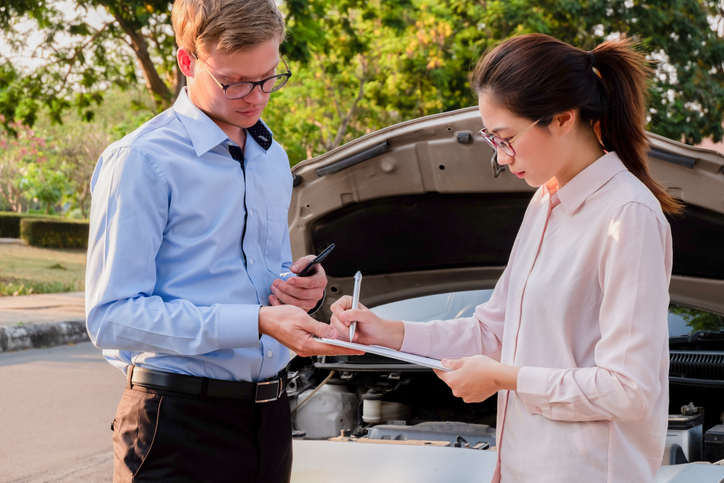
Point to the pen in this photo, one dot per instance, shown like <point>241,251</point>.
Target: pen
<point>355,301</point>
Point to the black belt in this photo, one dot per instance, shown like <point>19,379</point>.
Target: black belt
<point>203,387</point>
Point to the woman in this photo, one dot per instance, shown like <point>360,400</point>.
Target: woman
<point>574,337</point>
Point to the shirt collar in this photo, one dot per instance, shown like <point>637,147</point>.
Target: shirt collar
<point>588,181</point>
<point>206,135</point>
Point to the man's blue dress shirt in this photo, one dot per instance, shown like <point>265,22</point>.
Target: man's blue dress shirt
<point>184,246</point>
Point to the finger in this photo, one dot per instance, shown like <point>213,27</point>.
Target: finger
<point>339,324</point>
<point>321,349</point>
<point>304,303</point>
<point>312,282</point>
<point>452,363</point>
<point>319,329</point>
<point>442,375</point>
<point>273,300</point>
<point>298,290</point>
<point>344,303</point>
<point>362,315</point>
<point>299,265</point>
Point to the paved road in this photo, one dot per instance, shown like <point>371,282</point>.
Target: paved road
<point>56,407</point>
<point>45,308</point>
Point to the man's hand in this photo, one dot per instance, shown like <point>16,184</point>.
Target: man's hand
<point>302,292</point>
<point>294,328</point>
<point>370,329</point>
<point>476,378</point>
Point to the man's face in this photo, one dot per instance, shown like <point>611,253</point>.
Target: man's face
<point>253,64</point>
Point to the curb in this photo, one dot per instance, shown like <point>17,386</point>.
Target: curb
<point>37,336</point>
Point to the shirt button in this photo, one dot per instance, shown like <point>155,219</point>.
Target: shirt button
<point>269,354</point>
<point>539,410</point>
<point>251,212</point>
<point>251,261</point>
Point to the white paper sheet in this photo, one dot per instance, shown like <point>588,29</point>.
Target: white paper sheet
<point>387,352</point>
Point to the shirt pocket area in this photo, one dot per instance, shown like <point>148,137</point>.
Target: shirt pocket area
<point>276,226</point>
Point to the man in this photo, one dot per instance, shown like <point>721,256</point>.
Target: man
<point>186,289</point>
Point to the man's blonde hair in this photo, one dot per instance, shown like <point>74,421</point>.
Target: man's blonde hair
<point>228,25</point>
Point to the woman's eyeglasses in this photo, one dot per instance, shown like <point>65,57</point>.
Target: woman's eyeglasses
<point>504,145</point>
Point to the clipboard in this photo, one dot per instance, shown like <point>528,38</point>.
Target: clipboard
<point>387,352</point>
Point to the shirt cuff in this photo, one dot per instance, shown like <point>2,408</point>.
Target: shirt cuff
<point>416,339</point>
<point>238,326</point>
<point>533,389</point>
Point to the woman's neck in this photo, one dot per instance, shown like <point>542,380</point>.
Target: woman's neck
<point>583,152</point>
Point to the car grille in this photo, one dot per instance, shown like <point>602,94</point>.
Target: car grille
<point>707,366</point>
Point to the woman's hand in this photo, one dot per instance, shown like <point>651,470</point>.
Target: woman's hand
<point>370,330</point>
<point>476,378</point>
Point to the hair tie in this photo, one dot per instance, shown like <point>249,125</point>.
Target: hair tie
<point>593,61</point>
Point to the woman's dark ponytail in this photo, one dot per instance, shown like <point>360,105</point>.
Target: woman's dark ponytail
<point>536,76</point>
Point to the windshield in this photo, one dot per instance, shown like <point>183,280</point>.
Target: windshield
<point>682,320</point>
<point>685,320</point>
<point>442,306</point>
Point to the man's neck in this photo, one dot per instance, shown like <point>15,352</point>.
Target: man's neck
<point>239,137</point>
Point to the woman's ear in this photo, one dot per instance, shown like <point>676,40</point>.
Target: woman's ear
<point>563,122</point>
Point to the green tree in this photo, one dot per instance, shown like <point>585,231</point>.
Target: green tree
<point>362,65</point>
<point>44,183</point>
<point>16,152</point>
<point>80,60</point>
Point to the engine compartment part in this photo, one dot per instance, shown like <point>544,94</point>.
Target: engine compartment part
<point>450,431</point>
<point>714,442</point>
<point>332,409</point>
<point>686,431</point>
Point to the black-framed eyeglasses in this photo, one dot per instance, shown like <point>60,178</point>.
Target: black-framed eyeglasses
<point>497,142</point>
<point>239,90</point>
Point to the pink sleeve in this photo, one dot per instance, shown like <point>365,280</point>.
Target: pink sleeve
<point>634,273</point>
<point>480,334</point>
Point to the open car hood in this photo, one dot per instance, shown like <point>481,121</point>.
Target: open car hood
<point>419,208</point>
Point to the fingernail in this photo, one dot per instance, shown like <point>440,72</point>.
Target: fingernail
<point>291,282</point>
<point>295,268</point>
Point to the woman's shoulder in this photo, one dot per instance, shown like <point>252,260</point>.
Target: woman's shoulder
<point>625,189</point>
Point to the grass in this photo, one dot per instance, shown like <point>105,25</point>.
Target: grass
<point>27,270</point>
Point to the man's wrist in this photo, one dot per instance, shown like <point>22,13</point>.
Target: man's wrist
<point>264,320</point>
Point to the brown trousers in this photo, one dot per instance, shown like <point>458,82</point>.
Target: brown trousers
<point>171,439</point>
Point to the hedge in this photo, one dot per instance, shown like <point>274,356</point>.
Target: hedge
<point>10,222</point>
<point>40,232</point>
<point>10,225</point>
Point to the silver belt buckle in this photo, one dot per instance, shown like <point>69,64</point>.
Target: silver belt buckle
<point>268,391</point>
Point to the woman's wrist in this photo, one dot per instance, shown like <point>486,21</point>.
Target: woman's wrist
<point>507,377</point>
<point>392,334</point>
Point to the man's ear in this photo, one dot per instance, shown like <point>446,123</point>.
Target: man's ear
<point>563,122</point>
<point>185,62</point>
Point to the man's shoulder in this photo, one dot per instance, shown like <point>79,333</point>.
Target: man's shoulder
<point>165,127</point>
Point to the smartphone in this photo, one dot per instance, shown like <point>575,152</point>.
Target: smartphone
<point>317,260</point>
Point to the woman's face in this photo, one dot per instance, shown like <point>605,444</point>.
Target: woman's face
<point>536,157</point>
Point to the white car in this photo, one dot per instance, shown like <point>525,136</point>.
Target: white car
<point>425,213</point>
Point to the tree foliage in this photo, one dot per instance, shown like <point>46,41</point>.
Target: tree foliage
<point>362,65</point>
<point>79,61</point>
